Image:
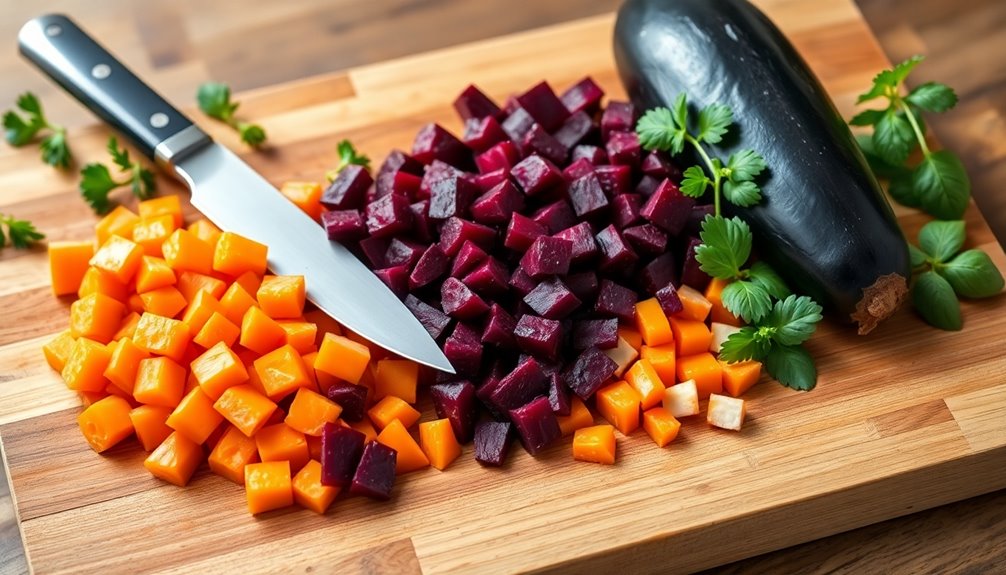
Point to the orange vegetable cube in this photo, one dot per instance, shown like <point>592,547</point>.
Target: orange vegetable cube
<point>661,357</point>
<point>201,307</point>
<point>740,377</point>
<point>324,322</point>
<point>236,302</point>
<point>88,398</point>
<point>96,317</point>
<point>652,323</point>
<point>704,370</point>
<point>149,424</point>
<point>154,273</point>
<point>191,283</point>
<point>268,486</point>
<point>579,417</point>
<point>162,336</point>
<point>127,327</point>
<point>392,408</point>
<point>719,312</point>
<point>365,427</point>
<point>410,455</point>
<point>726,412</point>
<point>398,377</point>
<point>175,459</point>
<point>85,366</point>
<point>123,364</point>
<point>259,332</point>
<point>118,257</point>
<point>696,306</point>
<point>619,403</point>
<point>595,444</point>
<point>205,230</point>
<point>195,417</point>
<point>310,411</point>
<point>690,336</point>
<point>301,335</point>
<point>376,352</point>
<point>246,408</point>
<point>118,222</point>
<point>646,382</point>
<point>438,443</point>
<point>623,355</point>
<point>151,233</point>
<point>232,453</point>
<point>282,297</point>
<point>236,254</point>
<point>68,262</point>
<point>166,301</point>
<point>308,490</point>
<point>661,425</point>
<point>185,252</point>
<point>682,400</point>
<point>217,329</point>
<point>721,333</point>
<point>305,195</point>
<point>631,336</point>
<point>342,357</point>
<point>282,372</point>
<point>97,281</point>
<point>135,303</point>
<point>58,349</point>
<point>106,422</point>
<point>163,205</point>
<point>280,442</point>
<point>249,281</point>
<point>159,381</point>
<point>218,369</point>
<point>314,445</point>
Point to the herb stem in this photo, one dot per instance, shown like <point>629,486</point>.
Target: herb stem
<point>717,177</point>
<point>915,125</point>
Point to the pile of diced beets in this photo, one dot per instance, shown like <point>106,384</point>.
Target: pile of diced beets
<point>520,247</point>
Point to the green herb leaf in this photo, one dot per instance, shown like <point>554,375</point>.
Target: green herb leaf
<point>215,101</point>
<point>763,274</point>
<point>743,194</point>
<point>725,247</point>
<point>942,239</point>
<point>694,182</point>
<point>658,129</point>
<point>744,345</point>
<point>918,257</point>
<point>932,97</point>
<point>747,300</point>
<point>143,183</point>
<point>867,118</point>
<point>120,157</point>
<point>887,80</point>
<point>941,183</point>
<point>22,232</point>
<point>881,168</point>
<point>972,274</point>
<point>745,165</point>
<point>714,120</point>
<point>95,185</point>
<point>251,134</point>
<point>934,299</point>
<point>903,191</point>
<point>55,151</point>
<point>792,366</point>
<point>794,319</point>
<point>893,138</point>
<point>19,131</point>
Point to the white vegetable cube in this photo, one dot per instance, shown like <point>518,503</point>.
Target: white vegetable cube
<point>624,355</point>
<point>682,399</point>
<point>726,412</point>
<point>721,332</point>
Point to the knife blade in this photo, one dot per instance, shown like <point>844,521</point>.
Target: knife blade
<point>228,191</point>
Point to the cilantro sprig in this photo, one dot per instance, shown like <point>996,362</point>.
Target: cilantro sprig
<point>22,129</point>
<point>21,233</point>
<point>215,101</point>
<point>347,155</point>
<point>939,183</point>
<point>97,181</point>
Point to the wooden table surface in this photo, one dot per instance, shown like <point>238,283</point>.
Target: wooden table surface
<point>176,45</point>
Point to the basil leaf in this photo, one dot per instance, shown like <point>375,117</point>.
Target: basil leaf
<point>792,366</point>
<point>893,138</point>
<point>942,239</point>
<point>934,299</point>
<point>917,256</point>
<point>942,185</point>
<point>901,189</point>
<point>972,274</point>
<point>933,97</point>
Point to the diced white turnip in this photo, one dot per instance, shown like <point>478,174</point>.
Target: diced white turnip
<point>682,399</point>
<point>721,332</point>
<point>623,354</point>
<point>726,412</point>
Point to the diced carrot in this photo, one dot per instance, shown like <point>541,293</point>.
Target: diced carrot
<point>123,364</point>
<point>58,349</point>
<point>719,312</point>
<point>410,455</point>
<point>119,258</point>
<point>217,329</point>
<point>97,281</point>
<point>661,357</point>
<point>159,381</point>
<point>96,317</point>
<point>312,375</point>
<point>236,254</point>
<point>68,262</point>
<point>309,492</point>
<point>232,453</point>
<point>205,230</point>
<point>135,303</point>
<point>324,322</point>
<point>391,408</point>
<point>246,408</point>
<point>185,252</point>
<point>704,370</point>
<point>323,380</point>
<point>631,336</point>
<point>191,283</point>
<point>398,377</point>
<point>127,327</point>
<point>740,377</point>
<point>436,438</point>
<point>150,426</point>
<point>310,411</point>
<point>314,445</point>
<point>652,322</point>
<point>282,297</point>
<point>166,301</point>
<point>195,417</point>
<point>250,281</point>
<point>151,233</point>
<point>280,442</point>
<point>623,355</point>
<point>281,372</point>
<point>579,417</point>
<point>162,336</point>
<point>661,425</point>
<point>154,273</point>
<point>695,306</point>
<point>690,336</point>
<point>118,222</point>
<point>201,307</point>
<point>644,379</point>
<point>215,435</point>
<point>89,398</point>
<point>218,369</point>
<point>85,366</point>
<point>106,422</point>
<point>682,399</point>
<point>268,486</point>
<point>365,427</point>
<point>112,389</point>
<point>619,403</point>
<point>342,357</point>
<point>595,444</point>
<point>726,412</point>
<point>236,302</point>
<point>169,204</point>
<point>301,335</point>
<point>305,195</point>
<point>175,459</point>
<point>376,352</point>
<point>259,332</point>
<point>277,416</point>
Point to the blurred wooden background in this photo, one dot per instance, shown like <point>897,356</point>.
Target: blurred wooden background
<point>177,44</point>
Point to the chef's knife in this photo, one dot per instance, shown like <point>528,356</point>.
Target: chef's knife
<point>227,190</point>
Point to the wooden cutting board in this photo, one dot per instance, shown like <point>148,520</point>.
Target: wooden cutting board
<point>902,420</point>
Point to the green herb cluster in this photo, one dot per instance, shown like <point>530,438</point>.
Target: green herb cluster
<point>22,130</point>
<point>97,182</point>
<point>21,233</point>
<point>215,101</point>
<point>347,155</point>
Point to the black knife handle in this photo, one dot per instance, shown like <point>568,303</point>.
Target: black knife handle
<point>86,70</point>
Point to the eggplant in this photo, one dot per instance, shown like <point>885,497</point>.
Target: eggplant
<point>824,223</point>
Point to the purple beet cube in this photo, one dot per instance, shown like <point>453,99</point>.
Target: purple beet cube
<point>375,475</point>
<point>555,216</point>
<point>351,398</point>
<point>374,249</point>
<point>521,282</point>
<point>539,336</point>
<point>616,255</point>
<point>434,320</point>
<point>659,165</point>
<point>469,256</point>
<point>396,278</point>
<point>520,386</point>
<point>618,117</point>
<point>658,273</point>
<point>691,273</point>
<point>592,154</point>
<point>668,208</point>
<point>574,129</point>
<point>581,236</point>
<point>615,300</point>
<point>492,442</point>
<point>623,148</point>
<point>406,184</point>
<point>502,156</point>
<point>396,162</point>
<point>646,239</point>
<point>496,205</point>
<point>348,189</point>
<point>430,266</point>
<point>698,214</point>
<point>454,232</point>
<point>558,395</point>
<point>490,381</point>
<point>473,103</point>
<point>464,350</point>
<point>482,133</point>
<point>460,302</point>
<point>552,299</point>
<point>341,448</point>
<point>490,180</point>
<point>499,327</point>
<point>547,256</point>
<point>435,143</point>
<point>587,196</point>
<point>388,216</point>
<point>344,225</point>
<point>536,425</point>
<point>403,253</point>
<point>589,372</point>
<point>436,172</point>
<point>625,210</point>
<point>422,226</point>
<point>544,106</point>
<point>522,232</point>
<point>451,197</point>
<point>577,169</point>
<point>456,403</point>
<point>669,301</point>
<point>489,278</point>
<point>583,96</point>
<point>583,284</point>
<point>517,124</point>
<point>615,180</point>
<point>538,141</point>
<point>599,333</point>
<point>647,185</point>
<point>535,175</point>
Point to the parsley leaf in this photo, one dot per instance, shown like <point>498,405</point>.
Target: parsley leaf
<point>97,182</point>
<point>20,131</point>
<point>934,299</point>
<point>794,319</point>
<point>942,185</point>
<point>694,182</point>
<point>748,343</point>
<point>743,194</point>
<point>941,240</point>
<point>725,247</point>
<point>714,120</point>
<point>932,97</point>
<point>215,101</point>
<point>747,300</point>
<point>745,166</point>
<point>762,274</point>
<point>972,274</point>
<point>792,366</point>
<point>659,129</point>
<point>22,232</point>
<point>347,156</point>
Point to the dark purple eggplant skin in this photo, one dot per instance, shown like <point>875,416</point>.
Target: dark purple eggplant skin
<point>824,223</point>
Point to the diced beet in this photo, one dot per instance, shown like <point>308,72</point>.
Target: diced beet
<point>658,165</point>
<point>520,386</point>
<point>435,143</point>
<point>536,425</point>
<point>341,448</point>
<point>489,278</point>
<point>456,403</point>
<point>375,475</point>
<point>658,273</point>
<point>539,336</point>
<point>617,117</point>
<point>623,148</point>
<point>587,196</point>
<point>646,239</point>
<point>541,103</point>
<point>434,320</point>
<point>615,180</point>
<point>668,208</point>
<point>599,333</point>
<point>436,172</point>
<point>558,395</point>
<point>421,226</point>
<point>577,169</point>
<point>521,282</point>
<point>615,300</point>
<point>473,103</point>
<point>406,184</point>
<point>348,189</point>
<point>482,133</point>
<point>522,232</point>
<point>499,327</point>
<point>669,301</point>
<point>535,175</point>
<point>589,372</point>
<point>625,210</point>
<point>555,216</point>
<point>469,256</point>
<point>396,278</point>
<point>538,141</point>
<point>585,95</point>
<point>344,225</point>
<point>616,255</point>
<point>464,350</point>
<point>397,161</point>
<point>502,156</point>
<point>490,180</point>
<point>451,197</point>
<point>490,381</point>
<point>547,256</point>
<point>517,124</point>
<point>583,284</point>
<point>698,214</point>
<point>403,253</point>
<point>430,267</point>
<point>455,232</point>
<point>492,442</point>
<point>552,299</point>
<point>691,273</point>
<point>459,302</point>
<point>593,154</point>
<point>574,129</point>
<point>351,398</point>
<point>581,238</point>
<point>647,185</point>
<point>374,249</point>
<point>496,205</point>
<point>388,216</point>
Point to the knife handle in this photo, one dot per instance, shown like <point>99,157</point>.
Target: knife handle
<point>86,70</point>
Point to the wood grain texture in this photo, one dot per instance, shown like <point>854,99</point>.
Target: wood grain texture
<point>896,425</point>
